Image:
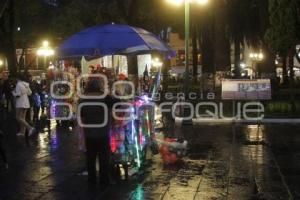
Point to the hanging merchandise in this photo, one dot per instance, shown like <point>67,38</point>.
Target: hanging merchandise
<point>130,139</point>
<point>146,81</point>
<point>155,86</point>
<point>172,150</point>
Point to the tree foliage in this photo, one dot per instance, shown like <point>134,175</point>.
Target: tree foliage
<point>212,26</point>
<point>282,34</point>
<point>25,23</point>
<point>75,15</point>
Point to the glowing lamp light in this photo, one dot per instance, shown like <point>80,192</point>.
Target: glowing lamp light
<point>256,56</point>
<point>45,52</point>
<point>175,2</point>
<point>45,43</point>
<point>1,63</point>
<point>243,65</point>
<point>51,67</point>
<point>202,2</point>
<point>179,2</point>
<point>156,62</point>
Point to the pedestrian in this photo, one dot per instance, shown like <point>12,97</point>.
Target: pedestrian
<point>21,93</point>
<point>96,138</point>
<point>8,87</point>
<point>36,101</point>
<point>28,79</point>
<point>43,92</point>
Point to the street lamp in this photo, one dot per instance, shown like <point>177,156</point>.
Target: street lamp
<point>179,2</point>
<point>45,51</point>
<point>255,58</point>
<point>156,63</point>
<point>187,32</point>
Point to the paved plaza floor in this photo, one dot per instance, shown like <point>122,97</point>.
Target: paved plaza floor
<point>223,162</point>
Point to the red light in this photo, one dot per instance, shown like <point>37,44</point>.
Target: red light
<point>113,144</point>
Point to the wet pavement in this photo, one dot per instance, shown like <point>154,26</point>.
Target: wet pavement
<point>223,162</point>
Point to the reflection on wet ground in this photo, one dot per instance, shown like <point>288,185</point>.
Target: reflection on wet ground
<point>224,162</point>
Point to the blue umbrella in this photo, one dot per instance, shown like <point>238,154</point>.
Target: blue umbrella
<point>112,39</point>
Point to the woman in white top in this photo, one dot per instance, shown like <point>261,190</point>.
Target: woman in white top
<point>21,93</point>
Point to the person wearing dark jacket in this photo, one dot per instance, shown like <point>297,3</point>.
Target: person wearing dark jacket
<point>8,87</point>
<point>97,140</point>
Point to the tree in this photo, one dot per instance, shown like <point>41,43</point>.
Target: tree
<point>222,37</point>
<point>7,24</point>
<point>39,19</point>
<point>243,24</point>
<point>74,15</point>
<point>21,22</point>
<point>282,35</point>
<point>30,25</point>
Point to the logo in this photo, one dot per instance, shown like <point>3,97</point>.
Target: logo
<point>205,108</point>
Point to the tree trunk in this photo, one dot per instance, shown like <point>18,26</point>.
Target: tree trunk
<point>207,50</point>
<point>11,50</point>
<point>165,76</point>
<point>20,61</point>
<point>10,55</point>
<point>291,65</point>
<point>237,57</point>
<point>222,40</point>
<point>291,80</point>
<point>267,65</point>
<point>195,53</point>
<point>284,70</point>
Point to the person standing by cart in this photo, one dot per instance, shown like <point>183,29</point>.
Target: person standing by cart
<point>96,139</point>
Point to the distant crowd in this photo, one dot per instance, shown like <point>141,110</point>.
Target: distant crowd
<point>22,99</point>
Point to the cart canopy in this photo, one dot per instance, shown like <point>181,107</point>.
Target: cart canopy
<point>112,39</point>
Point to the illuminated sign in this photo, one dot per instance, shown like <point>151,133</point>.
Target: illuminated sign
<point>246,89</point>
